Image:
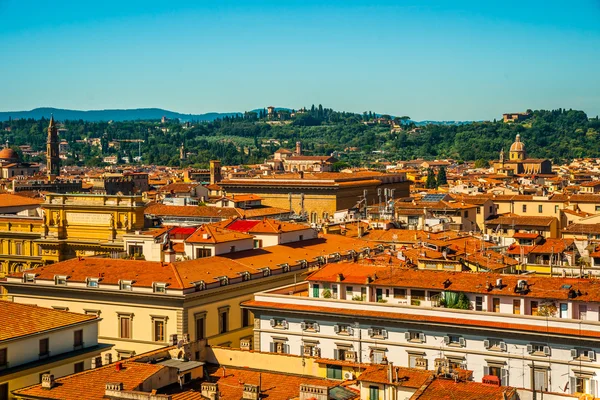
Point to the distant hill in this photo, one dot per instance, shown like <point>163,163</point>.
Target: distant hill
<point>109,115</point>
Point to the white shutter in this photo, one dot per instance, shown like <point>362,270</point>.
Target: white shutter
<point>384,333</point>
<point>272,347</point>
<point>486,344</point>
<point>272,321</point>
<point>336,328</point>
<point>316,327</point>
<point>503,346</point>
<point>370,332</point>
<point>529,348</point>
<point>407,335</point>
<point>573,384</point>
<point>593,387</point>
<point>284,324</point>
<point>462,342</point>
<point>504,381</point>
<point>302,350</point>
<point>547,351</point>
<point>422,337</point>
<point>574,353</point>
<point>486,370</point>
<point>446,339</point>
<point>286,348</point>
<point>336,354</point>
<point>350,331</point>
<point>592,355</point>
<point>303,326</point>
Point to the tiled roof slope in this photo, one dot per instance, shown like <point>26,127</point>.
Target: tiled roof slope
<point>91,384</point>
<point>448,389</point>
<point>21,320</point>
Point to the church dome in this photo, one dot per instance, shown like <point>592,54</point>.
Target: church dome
<point>8,154</point>
<point>517,145</point>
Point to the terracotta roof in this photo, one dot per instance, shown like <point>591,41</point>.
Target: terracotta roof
<point>211,234</point>
<point>133,374</point>
<point>407,377</point>
<point>467,282</point>
<point>189,211</point>
<point>525,235</point>
<point>13,200</point>
<point>447,389</point>
<point>178,187</point>
<point>582,229</point>
<point>275,386</point>
<point>265,225</point>
<point>521,220</point>
<point>585,198</point>
<point>180,275</point>
<point>25,319</point>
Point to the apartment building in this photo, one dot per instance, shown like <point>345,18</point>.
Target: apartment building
<point>36,340</point>
<point>529,332</point>
<point>144,303</point>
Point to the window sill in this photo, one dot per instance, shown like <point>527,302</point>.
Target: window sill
<point>379,337</point>
<point>454,345</point>
<point>538,354</point>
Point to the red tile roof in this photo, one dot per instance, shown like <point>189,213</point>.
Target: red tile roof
<point>13,200</point>
<point>24,319</point>
<point>407,377</point>
<point>448,389</point>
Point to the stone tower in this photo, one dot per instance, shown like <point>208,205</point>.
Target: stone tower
<point>52,154</point>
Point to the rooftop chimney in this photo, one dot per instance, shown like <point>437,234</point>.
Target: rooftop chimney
<point>210,390</point>
<point>48,381</point>
<point>313,392</point>
<point>251,392</point>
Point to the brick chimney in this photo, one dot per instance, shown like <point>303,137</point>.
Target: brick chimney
<point>48,381</point>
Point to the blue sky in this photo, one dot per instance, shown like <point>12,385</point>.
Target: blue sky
<point>452,60</point>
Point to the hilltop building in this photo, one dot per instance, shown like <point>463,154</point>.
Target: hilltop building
<point>11,165</point>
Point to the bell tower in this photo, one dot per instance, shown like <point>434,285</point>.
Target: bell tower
<point>52,152</point>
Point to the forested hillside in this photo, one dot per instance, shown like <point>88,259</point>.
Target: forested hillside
<point>361,139</point>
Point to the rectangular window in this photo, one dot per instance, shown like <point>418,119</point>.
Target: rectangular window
<point>223,321</point>
<point>78,367</point>
<point>258,243</point>
<point>540,380</point>
<point>4,391</point>
<point>496,304</point>
<point>203,253</point>
<point>135,250</point>
<point>60,280</point>
<point>524,208</point>
<point>44,347</point>
<point>160,287</point>
<point>200,328</point>
<point>334,372</point>
<point>232,249</point>
<point>159,330</point>
<point>478,303</point>
<point>245,317</point>
<point>517,307</point>
<point>377,356</point>
<point>125,327</point>
<point>280,347</point>
<point>3,357</point>
<point>556,209</point>
<point>125,285</point>
<point>417,294</point>
<point>18,248</point>
<point>92,282</point>
<point>399,293</point>
<point>373,392</point>
<point>582,312</point>
<point>540,209</point>
<point>78,338</point>
<point>478,210</point>
<point>534,308</point>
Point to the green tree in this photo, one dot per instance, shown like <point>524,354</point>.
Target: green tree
<point>441,177</point>
<point>481,163</point>
<point>431,182</point>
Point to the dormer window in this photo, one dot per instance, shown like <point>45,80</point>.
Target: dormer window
<point>28,278</point>
<point>125,285</point>
<point>199,286</point>
<point>303,264</point>
<point>266,271</point>
<point>160,287</point>
<point>245,276</point>
<point>60,280</point>
<point>285,267</point>
<point>93,282</point>
<point>223,280</point>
